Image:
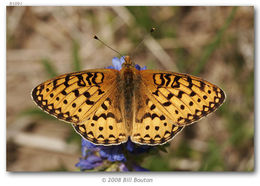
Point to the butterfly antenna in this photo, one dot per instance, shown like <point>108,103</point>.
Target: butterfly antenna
<point>95,37</point>
<point>141,42</point>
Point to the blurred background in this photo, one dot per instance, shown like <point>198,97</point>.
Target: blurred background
<point>215,43</point>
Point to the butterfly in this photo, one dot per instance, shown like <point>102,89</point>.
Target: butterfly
<point>107,106</point>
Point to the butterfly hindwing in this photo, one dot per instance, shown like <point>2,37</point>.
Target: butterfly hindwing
<point>150,125</point>
<point>182,98</point>
<point>105,126</point>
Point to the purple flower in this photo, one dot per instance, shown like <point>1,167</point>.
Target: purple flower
<point>136,149</point>
<point>94,155</point>
<point>112,153</point>
<point>140,68</point>
<point>90,162</point>
<point>117,64</point>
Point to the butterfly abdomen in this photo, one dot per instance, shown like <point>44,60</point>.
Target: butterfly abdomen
<point>128,79</point>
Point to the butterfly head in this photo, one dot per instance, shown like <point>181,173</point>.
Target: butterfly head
<point>128,62</point>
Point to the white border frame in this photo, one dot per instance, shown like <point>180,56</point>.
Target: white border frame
<point>173,178</point>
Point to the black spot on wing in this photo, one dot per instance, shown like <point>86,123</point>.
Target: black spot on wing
<point>154,115</point>
<point>168,103</point>
<point>89,75</point>
<point>100,136</point>
<point>167,77</point>
<point>67,78</point>
<point>161,78</point>
<point>76,92</point>
<point>176,83</point>
<point>162,117</point>
<point>88,102</point>
<point>63,92</point>
<point>202,85</point>
<point>192,94</point>
<point>152,107</point>
<point>55,84</point>
<point>104,106</point>
<point>110,114</point>
<point>80,82</point>
<point>100,92</point>
<point>156,93</point>
<point>170,95</point>
<point>189,81</point>
<point>180,94</point>
<point>87,94</point>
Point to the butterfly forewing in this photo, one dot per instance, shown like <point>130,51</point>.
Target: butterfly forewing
<point>73,97</point>
<point>182,98</point>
